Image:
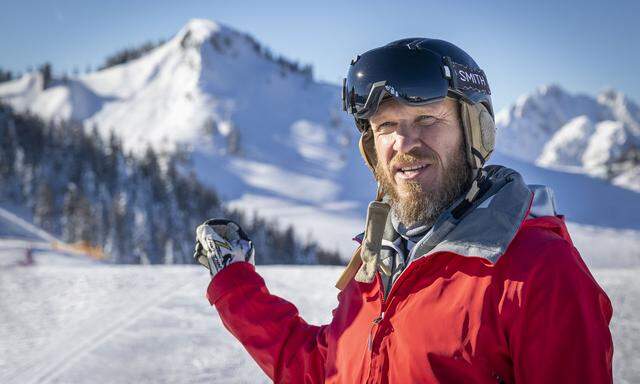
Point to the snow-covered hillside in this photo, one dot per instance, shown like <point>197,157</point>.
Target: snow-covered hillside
<point>258,130</point>
<point>143,324</point>
<point>553,128</point>
<point>273,141</point>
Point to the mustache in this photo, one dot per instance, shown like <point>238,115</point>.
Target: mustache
<point>415,155</point>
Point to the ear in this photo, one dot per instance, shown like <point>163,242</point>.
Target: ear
<point>368,149</point>
<point>479,131</point>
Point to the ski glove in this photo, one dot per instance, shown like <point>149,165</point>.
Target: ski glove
<point>220,242</point>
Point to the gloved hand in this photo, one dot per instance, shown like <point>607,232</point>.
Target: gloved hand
<point>220,242</point>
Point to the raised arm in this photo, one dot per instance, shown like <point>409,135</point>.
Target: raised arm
<point>281,342</point>
<point>287,348</point>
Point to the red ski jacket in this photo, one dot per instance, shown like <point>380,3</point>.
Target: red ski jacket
<point>534,315</point>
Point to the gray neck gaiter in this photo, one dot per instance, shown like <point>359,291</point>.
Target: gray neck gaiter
<point>412,233</point>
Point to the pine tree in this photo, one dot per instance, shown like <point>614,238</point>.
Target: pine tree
<point>45,71</point>
<point>5,75</point>
<point>69,209</point>
<point>45,213</point>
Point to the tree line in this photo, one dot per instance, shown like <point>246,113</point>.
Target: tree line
<point>144,209</point>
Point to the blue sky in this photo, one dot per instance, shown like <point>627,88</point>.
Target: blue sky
<point>585,46</point>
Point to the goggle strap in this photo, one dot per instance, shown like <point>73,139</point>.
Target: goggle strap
<point>344,94</point>
<point>465,78</point>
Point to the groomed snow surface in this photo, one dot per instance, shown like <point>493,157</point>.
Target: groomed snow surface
<point>66,321</point>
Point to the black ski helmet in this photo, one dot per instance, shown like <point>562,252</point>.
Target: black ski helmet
<point>417,71</point>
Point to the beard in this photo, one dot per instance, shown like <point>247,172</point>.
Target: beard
<point>423,205</point>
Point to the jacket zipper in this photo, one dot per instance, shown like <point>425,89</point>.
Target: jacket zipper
<point>375,322</point>
<point>380,317</point>
<point>394,285</point>
<point>385,300</point>
<point>384,305</point>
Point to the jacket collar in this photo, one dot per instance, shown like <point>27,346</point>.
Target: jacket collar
<point>488,227</point>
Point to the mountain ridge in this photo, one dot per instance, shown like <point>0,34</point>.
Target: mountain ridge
<point>599,136</point>
<point>272,140</point>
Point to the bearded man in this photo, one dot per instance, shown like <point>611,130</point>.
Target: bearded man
<point>464,273</point>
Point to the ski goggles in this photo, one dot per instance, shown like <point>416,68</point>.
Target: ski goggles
<point>412,76</point>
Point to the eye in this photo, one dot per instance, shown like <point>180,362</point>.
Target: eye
<point>426,120</point>
<point>386,126</point>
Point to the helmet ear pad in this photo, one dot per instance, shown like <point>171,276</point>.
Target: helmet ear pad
<point>368,149</point>
<point>479,132</point>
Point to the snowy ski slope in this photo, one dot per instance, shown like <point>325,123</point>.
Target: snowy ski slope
<point>126,324</point>
<point>67,319</point>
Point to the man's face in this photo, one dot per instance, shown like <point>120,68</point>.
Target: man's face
<point>421,160</point>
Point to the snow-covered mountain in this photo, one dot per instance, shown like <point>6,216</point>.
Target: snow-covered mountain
<point>259,129</point>
<point>272,140</point>
<point>599,136</point>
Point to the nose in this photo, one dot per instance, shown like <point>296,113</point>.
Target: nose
<point>406,138</point>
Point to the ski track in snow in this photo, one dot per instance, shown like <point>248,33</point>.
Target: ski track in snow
<point>123,324</point>
<point>52,370</point>
<point>11,218</point>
